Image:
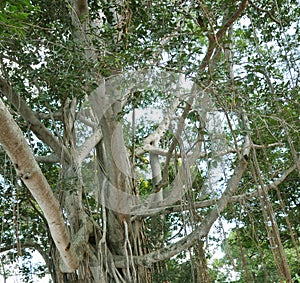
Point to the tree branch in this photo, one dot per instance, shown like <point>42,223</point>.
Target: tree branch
<point>265,11</point>
<point>229,22</point>
<point>14,143</point>
<point>88,145</point>
<point>200,232</point>
<point>35,124</point>
<point>203,229</point>
<point>52,158</point>
<point>159,132</point>
<point>213,40</point>
<point>163,209</point>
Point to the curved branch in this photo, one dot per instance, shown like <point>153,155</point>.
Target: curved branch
<point>159,132</point>
<point>201,231</point>
<point>163,209</point>
<point>229,22</point>
<point>14,143</point>
<point>88,145</point>
<point>213,40</point>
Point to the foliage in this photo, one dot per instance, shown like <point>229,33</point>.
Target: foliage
<point>252,70</point>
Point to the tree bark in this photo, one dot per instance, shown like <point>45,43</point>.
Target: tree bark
<point>14,143</point>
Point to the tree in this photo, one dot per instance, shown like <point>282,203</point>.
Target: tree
<point>105,196</point>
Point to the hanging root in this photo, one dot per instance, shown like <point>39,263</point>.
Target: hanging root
<point>129,257</point>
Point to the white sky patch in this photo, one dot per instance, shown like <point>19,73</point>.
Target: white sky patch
<point>16,277</point>
<point>150,114</point>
